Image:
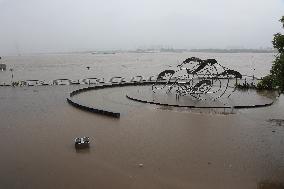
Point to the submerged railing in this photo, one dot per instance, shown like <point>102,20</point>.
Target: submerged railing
<point>114,80</point>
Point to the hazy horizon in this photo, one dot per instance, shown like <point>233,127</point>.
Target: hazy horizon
<point>34,26</point>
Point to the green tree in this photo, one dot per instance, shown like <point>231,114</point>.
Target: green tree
<point>276,77</point>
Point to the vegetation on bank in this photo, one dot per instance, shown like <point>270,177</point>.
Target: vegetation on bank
<point>275,80</point>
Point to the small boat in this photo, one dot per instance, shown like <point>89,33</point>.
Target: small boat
<point>83,142</point>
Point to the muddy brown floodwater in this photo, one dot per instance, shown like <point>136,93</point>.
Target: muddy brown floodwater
<point>148,147</point>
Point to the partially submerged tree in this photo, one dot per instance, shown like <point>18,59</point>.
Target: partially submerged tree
<point>275,80</point>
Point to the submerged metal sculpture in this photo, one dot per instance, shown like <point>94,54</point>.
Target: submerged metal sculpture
<point>197,78</point>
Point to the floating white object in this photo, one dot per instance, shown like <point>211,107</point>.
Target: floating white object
<point>83,142</point>
<point>2,67</point>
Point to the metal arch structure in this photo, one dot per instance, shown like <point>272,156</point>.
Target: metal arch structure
<point>197,78</point>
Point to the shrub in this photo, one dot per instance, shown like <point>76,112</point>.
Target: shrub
<point>275,80</point>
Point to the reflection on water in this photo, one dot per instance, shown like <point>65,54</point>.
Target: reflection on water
<point>83,151</point>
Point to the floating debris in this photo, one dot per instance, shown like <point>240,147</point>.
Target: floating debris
<point>83,142</point>
<point>2,67</point>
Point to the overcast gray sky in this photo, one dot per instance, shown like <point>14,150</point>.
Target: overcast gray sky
<point>30,26</point>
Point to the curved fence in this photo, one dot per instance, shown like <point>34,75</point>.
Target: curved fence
<point>98,110</point>
<point>114,114</point>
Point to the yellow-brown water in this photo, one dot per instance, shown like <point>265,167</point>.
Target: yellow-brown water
<point>74,66</point>
<point>148,147</point>
<point>176,149</point>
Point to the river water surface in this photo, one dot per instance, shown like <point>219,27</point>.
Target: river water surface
<point>74,66</point>
<point>148,147</point>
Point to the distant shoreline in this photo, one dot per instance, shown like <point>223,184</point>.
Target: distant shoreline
<point>162,50</point>
<point>234,50</point>
<point>205,50</point>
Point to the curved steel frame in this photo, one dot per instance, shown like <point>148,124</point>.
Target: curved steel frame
<point>196,77</point>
